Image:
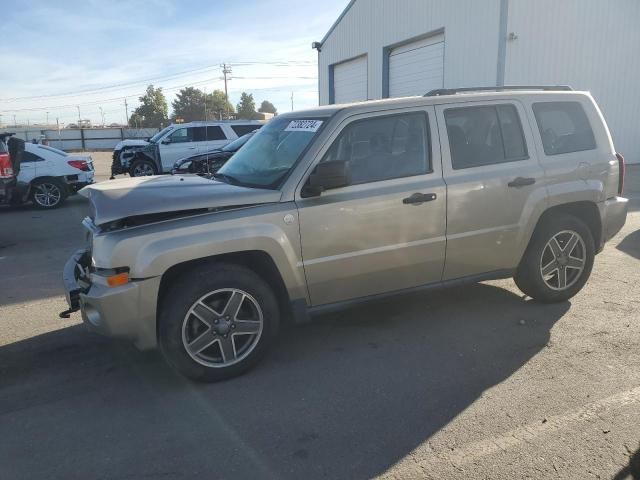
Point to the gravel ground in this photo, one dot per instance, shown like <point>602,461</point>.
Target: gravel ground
<point>471,382</point>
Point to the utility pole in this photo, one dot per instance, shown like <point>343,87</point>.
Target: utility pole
<point>14,121</point>
<point>47,118</point>
<point>126,111</point>
<point>101,115</point>
<point>292,101</point>
<point>226,70</point>
<point>79,121</point>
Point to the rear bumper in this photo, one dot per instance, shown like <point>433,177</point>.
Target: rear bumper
<point>613,213</point>
<point>128,311</point>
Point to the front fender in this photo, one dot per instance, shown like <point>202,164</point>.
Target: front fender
<point>151,250</point>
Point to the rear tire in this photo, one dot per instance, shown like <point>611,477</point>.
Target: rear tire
<point>142,168</point>
<point>217,322</point>
<point>558,260</point>
<point>48,193</point>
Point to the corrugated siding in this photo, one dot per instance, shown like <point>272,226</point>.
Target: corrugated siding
<point>471,38</point>
<point>590,44</point>
<point>350,80</point>
<point>416,67</point>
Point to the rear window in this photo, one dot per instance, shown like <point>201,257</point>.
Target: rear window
<point>244,129</point>
<point>564,127</point>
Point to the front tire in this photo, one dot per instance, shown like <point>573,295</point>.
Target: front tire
<point>48,193</point>
<point>218,322</point>
<point>558,260</point>
<point>142,168</point>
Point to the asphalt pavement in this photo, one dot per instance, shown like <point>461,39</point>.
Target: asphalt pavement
<point>473,382</point>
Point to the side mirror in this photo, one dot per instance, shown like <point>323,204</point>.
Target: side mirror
<point>166,141</point>
<point>327,175</point>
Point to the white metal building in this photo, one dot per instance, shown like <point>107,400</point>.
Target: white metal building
<point>390,48</point>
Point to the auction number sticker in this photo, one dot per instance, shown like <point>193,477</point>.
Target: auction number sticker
<point>303,126</point>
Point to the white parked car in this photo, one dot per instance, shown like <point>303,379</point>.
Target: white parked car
<point>48,175</point>
<point>158,154</point>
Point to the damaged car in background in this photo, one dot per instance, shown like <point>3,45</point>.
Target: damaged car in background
<point>141,158</point>
<point>210,162</point>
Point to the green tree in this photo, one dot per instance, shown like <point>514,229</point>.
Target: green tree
<point>153,110</point>
<point>189,104</point>
<point>247,106</point>
<point>267,107</point>
<point>218,107</point>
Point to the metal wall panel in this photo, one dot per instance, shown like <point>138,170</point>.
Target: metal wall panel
<point>589,44</point>
<point>417,67</point>
<point>350,80</point>
<point>372,26</point>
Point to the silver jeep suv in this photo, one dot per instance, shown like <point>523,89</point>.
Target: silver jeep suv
<point>346,203</point>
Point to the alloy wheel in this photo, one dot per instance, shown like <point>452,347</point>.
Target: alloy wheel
<point>563,260</point>
<point>222,327</point>
<point>47,194</point>
<point>142,170</point>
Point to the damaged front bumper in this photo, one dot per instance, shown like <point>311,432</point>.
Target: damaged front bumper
<point>127,311</point>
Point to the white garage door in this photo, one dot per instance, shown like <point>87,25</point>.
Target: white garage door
<point>417,67</point>
<point>350,80</point>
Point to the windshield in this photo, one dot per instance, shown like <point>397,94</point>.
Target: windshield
<point>157,136</point>
<point>237,143</point>
<point>270,154</point>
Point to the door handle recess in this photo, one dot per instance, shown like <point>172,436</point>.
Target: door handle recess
<point>521,182</point>
<point>418,198</point>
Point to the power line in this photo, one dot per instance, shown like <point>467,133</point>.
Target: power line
<point>76,93</point>
<point>166,89</point>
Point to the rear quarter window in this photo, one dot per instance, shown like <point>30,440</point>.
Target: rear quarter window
<point>564,127</point>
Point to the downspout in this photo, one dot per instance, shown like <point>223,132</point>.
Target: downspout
<point>502,43</point>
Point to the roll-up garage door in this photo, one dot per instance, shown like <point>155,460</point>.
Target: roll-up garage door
<point>350,80</point>
<point>416,67</point>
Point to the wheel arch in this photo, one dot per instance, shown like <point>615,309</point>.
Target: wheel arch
<point>584,210</point>
<point>141,156</point>
<point>258,261</point>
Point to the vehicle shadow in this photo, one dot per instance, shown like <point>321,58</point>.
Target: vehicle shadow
<point>631,471</point>
<point>347,396</point>
<point>631,244</point>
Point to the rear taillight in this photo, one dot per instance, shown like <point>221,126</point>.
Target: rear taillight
<point>6,168</point>
<point>621,173</point>
<point>79,164</point>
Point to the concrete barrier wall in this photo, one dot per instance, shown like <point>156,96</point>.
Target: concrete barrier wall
<point>83,138</point>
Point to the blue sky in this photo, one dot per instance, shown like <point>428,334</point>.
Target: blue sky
<point>109,50</point>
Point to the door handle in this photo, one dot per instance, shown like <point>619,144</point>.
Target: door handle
<point>192,148</point>
<point>521,182</point>
<point>419,198</point>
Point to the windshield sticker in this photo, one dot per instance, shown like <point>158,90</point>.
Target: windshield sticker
<point>303,126</point>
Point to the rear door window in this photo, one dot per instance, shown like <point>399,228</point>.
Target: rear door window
<point>31,157</point>
<point>484,135</point>
<point>215,133</point>
<point>241,130</point>
<point>564,127</point>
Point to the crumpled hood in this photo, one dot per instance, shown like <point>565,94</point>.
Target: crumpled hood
<point>117,199</point>
<point>130,143</point>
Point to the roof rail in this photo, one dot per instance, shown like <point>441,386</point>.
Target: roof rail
<point>452,91</point>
